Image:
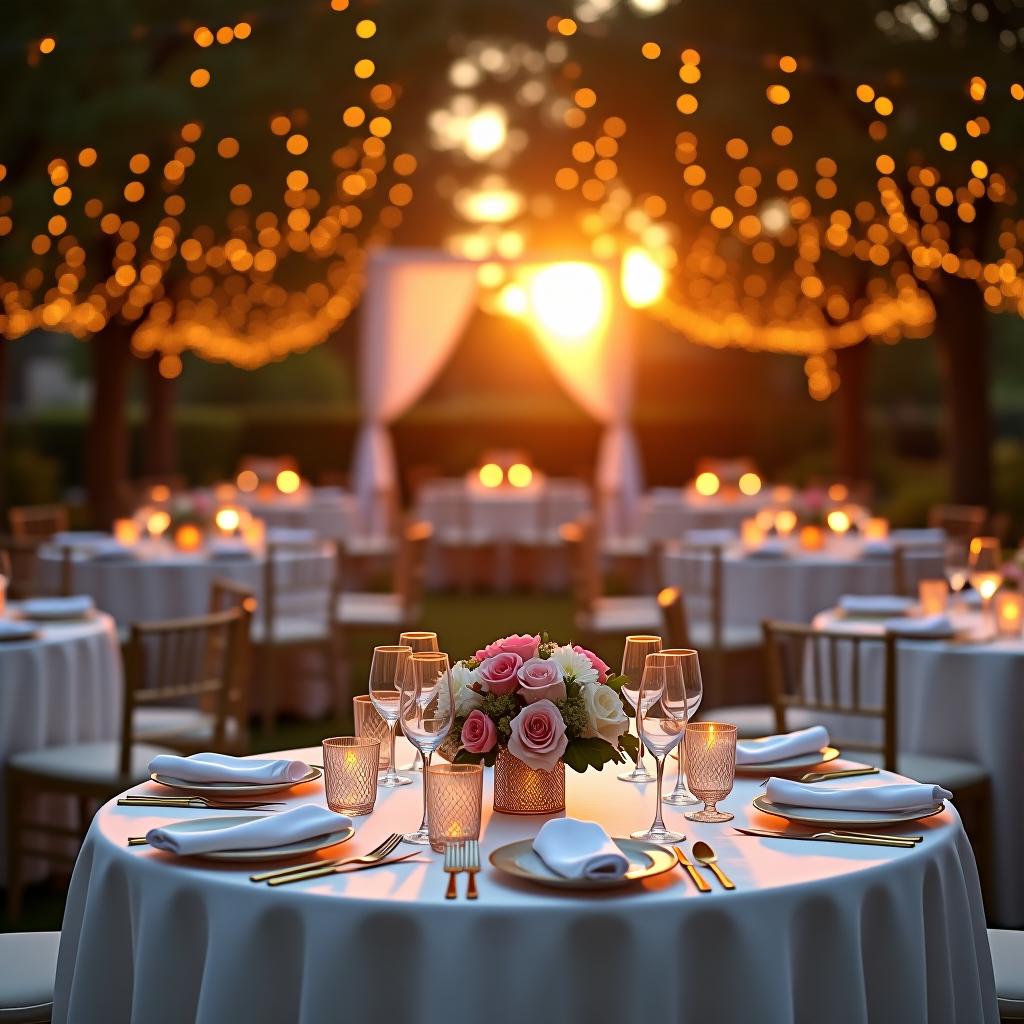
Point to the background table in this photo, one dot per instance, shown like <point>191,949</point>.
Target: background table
<point>329,512</point>
<point>854,932</point>
<point>64,687</point>
<point>797,586</point>
<point>966,700</point>
<point>667,514</point>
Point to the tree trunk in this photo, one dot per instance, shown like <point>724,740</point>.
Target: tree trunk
<point>107,455</point>
<point>962,329</point>
<point>159,455</point>
<point>4,362</point>
<point>851,412</point>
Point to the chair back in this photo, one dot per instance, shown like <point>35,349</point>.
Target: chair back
<point>564,501</point>
<point>673,614</point>
<point>913,563</point>
<point>580,539</point>
<point>37,521</point>
<point>299,582</point>
<point>411,567</point>
<point>964,521</point>
<point>198,661</point>
<point>699,574</point>
<point>19,562</point>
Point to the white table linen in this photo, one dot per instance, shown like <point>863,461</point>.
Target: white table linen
<point>331,514</point>
<point>776,748</point>
<point>668,514</point>
<point>64,686</point>
<point>209,767</point>
<point>868,796</point>
<point>579,849</point>
<point>961,698</point>
<point>867,934</point>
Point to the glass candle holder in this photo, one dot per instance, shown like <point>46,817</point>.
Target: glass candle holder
<point>933,596</point>
<point>1009,607</point>
<point>350,773</point>
<point>455,795</point>
<point>785,522</point>
<point>126,531</point>
<point>812,538</point>
<point>875,528</point>
<point>370,725</point>
<point>751,534</point>
<point>710,766</point>
<point>188,537</point>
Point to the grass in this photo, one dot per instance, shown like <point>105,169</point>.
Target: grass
<point>463,623</point>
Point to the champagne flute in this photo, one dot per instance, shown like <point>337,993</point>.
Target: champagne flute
<point>427,712</point>
<point>985,563</point>
<point>661,718</point>
<point>418,640</point>
<point>690,663</point>
<point>386,671</point>
<point>957,566</point>
<point>636,650</point>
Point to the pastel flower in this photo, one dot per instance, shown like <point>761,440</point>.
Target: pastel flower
<point>541,679</point>
<point>538,735</point>
<point>525,646</point>
<point>479,733</point>
<point>574,665</point>
<point>603,670</point>
<point>466,698</point>
<point>605,716</point>
<point>498,674</point>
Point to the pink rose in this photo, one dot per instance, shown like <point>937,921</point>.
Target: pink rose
<point>498,674</point>
<point>479,733</point>
<point>525,646</point>
<point>541,680</point>
<point>603,670</point>
<point>538,735</point>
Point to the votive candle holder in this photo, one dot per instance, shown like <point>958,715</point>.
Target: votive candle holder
<point>370,725</point>
<point>1009,608</point>
<point>812,538</point>
<point>710,766</point>
<point>455,795</point>
<point>933,596</point>
<point>350,773</point>
<point>875,528</point>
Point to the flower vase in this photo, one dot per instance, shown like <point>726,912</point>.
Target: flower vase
<point>520,789</point>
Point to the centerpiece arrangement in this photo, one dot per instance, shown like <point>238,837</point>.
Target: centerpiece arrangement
<point>528,707</point>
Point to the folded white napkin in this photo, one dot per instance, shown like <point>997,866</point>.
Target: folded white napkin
<point>225,768</point>
<point>579,849</point>
<point>71,607</point>
<point>306,822</point>
<point>290,535</point>
<point>776,748</point>
<point>923,625</point>
<point>10,630</point>
<point>905,796</point>
<point>876,604</point>
<point>770,547</point>
<point>876,548</point>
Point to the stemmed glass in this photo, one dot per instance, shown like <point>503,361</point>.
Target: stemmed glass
<point>661,719</point>
<point>985,563</point>
<point>418,640</point>
<point>957,564</point>
<point>427,712</point>
<point>690,663</point>
<point>636,650</point>
<point>386,671</point>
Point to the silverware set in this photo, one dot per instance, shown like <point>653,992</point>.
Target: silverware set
<point>705,856</point>
<point>459,857</point>
<point>846,773</point>
<point>377,857</point>
<point>836,836</point>
<point>197,801</point>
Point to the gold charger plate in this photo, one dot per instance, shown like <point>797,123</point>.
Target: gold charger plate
<point>788,764</point>
<point>232,788</point>
<point>645,861</point>
<point>833,818</point>
<point>304,846</point>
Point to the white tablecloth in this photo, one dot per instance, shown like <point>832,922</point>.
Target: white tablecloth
<point>668,514</point>
<point>797,586</point>
<point>965,700</point>
<point>852,932</point>
<point>330,514</point>
<point>64,687</point>
<point>163,583</point>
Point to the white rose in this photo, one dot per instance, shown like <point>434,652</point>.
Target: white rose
<point>605,717</point>
<point>574,665</point>
<point>466,698</point>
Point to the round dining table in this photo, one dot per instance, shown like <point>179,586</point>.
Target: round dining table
<point>329,512</point>
<point>851,934</point>
<point>961,697</point>
<point>62,686</point>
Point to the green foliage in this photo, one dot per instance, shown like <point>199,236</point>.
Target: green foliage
<point>631,745</point>
<point>501,710</point>
<point>574,710</point>
<point>590,752</point>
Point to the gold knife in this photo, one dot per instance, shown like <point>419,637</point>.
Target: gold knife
<point>831,837</point>
<point>698,879</point>
<point>342,870</point>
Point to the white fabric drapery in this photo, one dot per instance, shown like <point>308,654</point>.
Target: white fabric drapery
<point>416,307</point>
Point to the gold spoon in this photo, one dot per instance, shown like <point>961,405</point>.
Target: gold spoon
<point>705,856</point>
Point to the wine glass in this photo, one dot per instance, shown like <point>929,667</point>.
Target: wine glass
<point>985,562</point>
<point>418,640</point>
<point>690,662</point>
<point>957,564</point>
<point>661,719</point>
<point>427,713</point>
<point>636,650</point>
<point>386,671</point>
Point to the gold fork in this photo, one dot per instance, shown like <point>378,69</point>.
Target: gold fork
<point>377,853</point>
<point>471,850</point>
<point>453,864</point>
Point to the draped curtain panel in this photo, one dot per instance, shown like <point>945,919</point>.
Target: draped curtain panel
<point>416,308</point>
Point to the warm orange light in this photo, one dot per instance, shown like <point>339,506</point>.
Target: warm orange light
<point>765,519</point>
<point>160,492</point>
<point>1010,613</point>
<point>188,537</point>
<point>876,528</point>
<point>288,481</point>
<point>247,481</point>
<point>812,538</point>
<point>227,519</point>
<point>838,492</point>
<point>707,483</point>
<point>519,475</point>
<point>642,279</point>
<point>750,484</point>
<point>785,522</point>
<point>569,300</point>
<point>157,523</point>
<point>491,475</point>
<point>838,521</point>
<point>933,596</point>
<point>751,534</point>
<point>126,531</point>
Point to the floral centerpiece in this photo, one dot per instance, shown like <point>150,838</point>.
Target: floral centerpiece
<point>529,707</point>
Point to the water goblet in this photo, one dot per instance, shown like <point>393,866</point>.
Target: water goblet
<point>418,640</point>
<point>386,670</point>
<point>690,664</point>
<point>636,650</point>
<point>711,756</point>
<point>985,563</point>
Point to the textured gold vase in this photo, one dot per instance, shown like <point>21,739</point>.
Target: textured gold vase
<point>520,789</point>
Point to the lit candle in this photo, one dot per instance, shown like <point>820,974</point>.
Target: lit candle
<point>838,521</point>
<point>228,520</point>
<point>126,531</point>
<point>751,533</point>
<point>785,522</point>
<point>288,481</point>
<point>350,773</point>
<point>188,537</point>
<point>750,484</point>
<point>1009,613</point>
<point>812,538</point>
<point>933,595</point>
<point>765,519</point>
<point>157,522</point>
<point>707,484</point>
<point>875,528</point>
<point>491,475</point>
<point>838,492</point>
<point>519,475</point>
<point>454,801</point>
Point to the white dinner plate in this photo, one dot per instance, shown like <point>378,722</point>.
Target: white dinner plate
<point>44,609</point>
<point>834,818</point>
<point>232,788</point>
<point>265,853</point>
<point>788,764</point>
<point>15,632</point>
<point>645,861</point>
